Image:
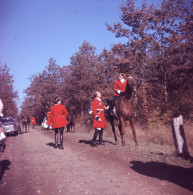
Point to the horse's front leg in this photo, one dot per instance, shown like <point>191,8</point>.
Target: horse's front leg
<point>122,130</point>
<point>113,129</point>
<point>132,123</point>
<point>74,128</point>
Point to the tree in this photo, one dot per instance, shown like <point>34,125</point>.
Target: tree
<point>7,93</point>
<point>158,50</point>
<point>43,89</point>
<point>133,55</point>
<point>180,57</point>
<point>85,77</point>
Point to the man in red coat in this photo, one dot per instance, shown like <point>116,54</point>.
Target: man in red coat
<point>48,122</point>
<point>58,114</point>
<point>118,88</point>
<point>33,122</point>
<point>99,121</point>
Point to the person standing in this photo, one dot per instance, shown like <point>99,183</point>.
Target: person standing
<point>48,122</point>
<point>58,114</point>
<point>18,123</point>
<point>99,121</point>
<point>33,121</point>
<point>26,122</point>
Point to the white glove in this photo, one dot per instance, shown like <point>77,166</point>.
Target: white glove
<point>118,91</point>
<point>106,107</point>
<point>1,114</point>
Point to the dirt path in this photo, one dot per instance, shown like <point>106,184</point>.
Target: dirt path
<point>32,166</point>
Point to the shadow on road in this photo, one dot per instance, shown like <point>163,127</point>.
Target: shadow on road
<point>91,143</point>
<point>4,165</point>
<point>163,171</point>
<point>51,144</point>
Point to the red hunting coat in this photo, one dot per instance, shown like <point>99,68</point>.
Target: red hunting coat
<point>98,110</point>
<point>33,120</point>
<point>119,86</point>
<point>58,114</point>
<point>48,119</point>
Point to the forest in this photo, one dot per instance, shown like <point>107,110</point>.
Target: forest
<point>158,53</point>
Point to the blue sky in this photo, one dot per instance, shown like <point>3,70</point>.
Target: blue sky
<point>33,31</point>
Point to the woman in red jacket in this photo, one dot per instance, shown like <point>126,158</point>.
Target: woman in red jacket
<point>58,114</point>
<point>99,121</point>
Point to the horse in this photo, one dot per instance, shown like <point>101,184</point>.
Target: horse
<point>125,111</point>
<point>71,122</point>
<point>25,122</point>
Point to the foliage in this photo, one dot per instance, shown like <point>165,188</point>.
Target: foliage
<point>85,77</point>
<point>43,89</point>
<point>161,42</point>
<point>7,93</point>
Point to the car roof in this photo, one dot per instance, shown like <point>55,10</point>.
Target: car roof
<point>8,117</point>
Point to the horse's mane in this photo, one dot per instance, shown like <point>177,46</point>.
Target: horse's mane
<point>128,91</point>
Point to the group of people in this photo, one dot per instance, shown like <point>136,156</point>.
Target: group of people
<point>24,120</point>
<point>58,114</point>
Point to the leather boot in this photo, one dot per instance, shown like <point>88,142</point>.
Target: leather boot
<point>56,141</point>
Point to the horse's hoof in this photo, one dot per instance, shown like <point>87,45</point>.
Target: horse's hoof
<point>136,144</point>
<point>123,144</point>
<point>116,143</point>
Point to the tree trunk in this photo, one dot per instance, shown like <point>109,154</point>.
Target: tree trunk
<point>82,112</point>
<point>179,137</point>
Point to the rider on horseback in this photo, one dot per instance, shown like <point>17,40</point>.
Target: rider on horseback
<point>119,87</point>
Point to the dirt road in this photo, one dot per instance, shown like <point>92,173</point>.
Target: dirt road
<point>31,165</point>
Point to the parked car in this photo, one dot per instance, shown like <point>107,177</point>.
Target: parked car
<point>8,125</point>
<point>2,143</point>
<point>44,124</point>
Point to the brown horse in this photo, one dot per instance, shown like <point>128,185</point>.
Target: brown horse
<point>25,119</point>
<point>71,122</point>
<point>125,111</point>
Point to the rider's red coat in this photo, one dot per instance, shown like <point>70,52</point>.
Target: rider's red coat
<point>119,86</point>
<point>58,114</point>
<point>98,110</point>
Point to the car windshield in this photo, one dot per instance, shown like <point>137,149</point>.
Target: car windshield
<point>6,120</point>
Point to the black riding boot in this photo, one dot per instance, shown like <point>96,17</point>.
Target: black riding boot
<point>101,137</point>
<point>61,141</point>
<point>56,140</point>
<point>61,137</point>
<point>94,137</point>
